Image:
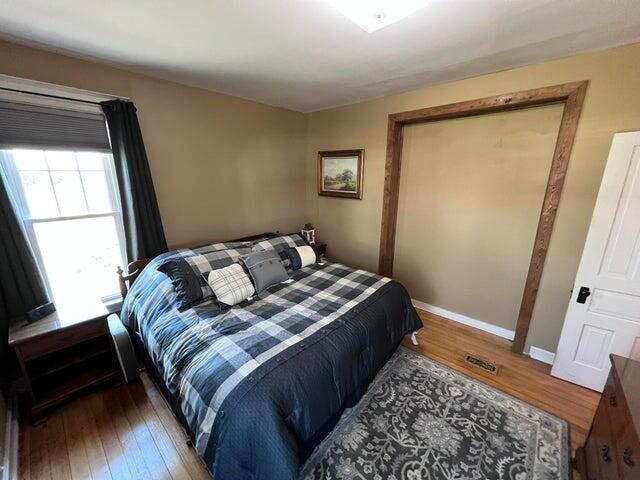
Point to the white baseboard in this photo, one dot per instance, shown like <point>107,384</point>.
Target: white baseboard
<point>542,355</point>
<point>472,322</point>
<point>534,352</point>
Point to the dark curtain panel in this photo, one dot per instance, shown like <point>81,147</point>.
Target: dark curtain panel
<point>22,291</point>
<point>142,222</point>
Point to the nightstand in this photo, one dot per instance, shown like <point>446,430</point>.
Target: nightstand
<point>321,250</point>
<point>64,353</point>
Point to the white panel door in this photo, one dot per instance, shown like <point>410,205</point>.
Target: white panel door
<point>604,312</point>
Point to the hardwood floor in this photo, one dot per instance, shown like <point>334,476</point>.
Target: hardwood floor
<point>122,432</point>
<point>129,432</point>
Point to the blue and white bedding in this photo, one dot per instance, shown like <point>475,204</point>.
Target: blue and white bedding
<point>261,384</point>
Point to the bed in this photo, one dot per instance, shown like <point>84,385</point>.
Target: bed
<point>259,385</point>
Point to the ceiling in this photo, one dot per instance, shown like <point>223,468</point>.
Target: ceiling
<point>304,55</point>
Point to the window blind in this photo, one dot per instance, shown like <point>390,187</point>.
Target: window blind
<point>28,126</point>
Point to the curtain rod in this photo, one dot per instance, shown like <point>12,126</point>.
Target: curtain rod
<point>59,97</point>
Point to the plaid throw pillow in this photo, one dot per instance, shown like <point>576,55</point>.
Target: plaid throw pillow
<point>279,244</point>
<point>231,285</point>
<point>216,247</point>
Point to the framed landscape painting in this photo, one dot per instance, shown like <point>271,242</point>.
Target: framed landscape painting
<point>340,173</point>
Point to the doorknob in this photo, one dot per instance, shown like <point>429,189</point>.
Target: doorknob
<point>583,294</point>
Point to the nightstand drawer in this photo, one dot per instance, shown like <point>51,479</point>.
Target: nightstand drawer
<point>52,342</point>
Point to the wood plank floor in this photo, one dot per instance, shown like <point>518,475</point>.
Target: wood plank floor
<point>129,432</point>
<point>122,432</point>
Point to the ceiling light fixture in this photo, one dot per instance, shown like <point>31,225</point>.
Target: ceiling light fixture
<point>372,15</point>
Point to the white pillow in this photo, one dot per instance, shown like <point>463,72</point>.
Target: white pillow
<point>307,255</point>
<point>300,257</point>
<point>231,285</point>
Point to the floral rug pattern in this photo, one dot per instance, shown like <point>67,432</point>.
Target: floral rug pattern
<point>420,420</point>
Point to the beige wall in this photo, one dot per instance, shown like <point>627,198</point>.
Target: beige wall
<point>222,167</point>
<point>225,167</point>
<point>470,196</point>
<point>352,227</point>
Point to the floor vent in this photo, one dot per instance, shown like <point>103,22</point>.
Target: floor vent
<point>482,364</point>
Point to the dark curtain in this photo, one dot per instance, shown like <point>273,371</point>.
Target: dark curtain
<point>22,291</point>
<point>142,222</point>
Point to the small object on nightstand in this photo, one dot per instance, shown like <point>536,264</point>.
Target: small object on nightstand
<point>309,233</point>
<point>321,250</point>
<point>64,353</point>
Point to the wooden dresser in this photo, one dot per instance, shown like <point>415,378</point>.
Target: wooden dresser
<point>612,449</point>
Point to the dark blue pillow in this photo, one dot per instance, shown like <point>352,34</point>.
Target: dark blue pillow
<point>188,286</point>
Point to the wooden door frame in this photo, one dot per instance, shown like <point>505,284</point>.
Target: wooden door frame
<point>570,94</point>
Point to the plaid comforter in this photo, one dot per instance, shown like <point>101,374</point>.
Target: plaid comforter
<point>213,361</point>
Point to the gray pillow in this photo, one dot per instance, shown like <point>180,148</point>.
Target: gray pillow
<point>265,268</point>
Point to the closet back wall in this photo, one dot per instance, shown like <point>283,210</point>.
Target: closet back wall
<point>222,167</point>
<point>470,196</point>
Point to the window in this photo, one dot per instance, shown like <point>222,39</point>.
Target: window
<point>70,207</point>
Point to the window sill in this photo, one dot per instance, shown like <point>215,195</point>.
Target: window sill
<point>112,303</point>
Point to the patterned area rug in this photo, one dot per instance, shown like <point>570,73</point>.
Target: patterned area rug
<point>421,420</point>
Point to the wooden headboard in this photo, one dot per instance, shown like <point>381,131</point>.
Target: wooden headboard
<point>126,279</point>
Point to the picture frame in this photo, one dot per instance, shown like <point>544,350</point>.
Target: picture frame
<point>340,173</point>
